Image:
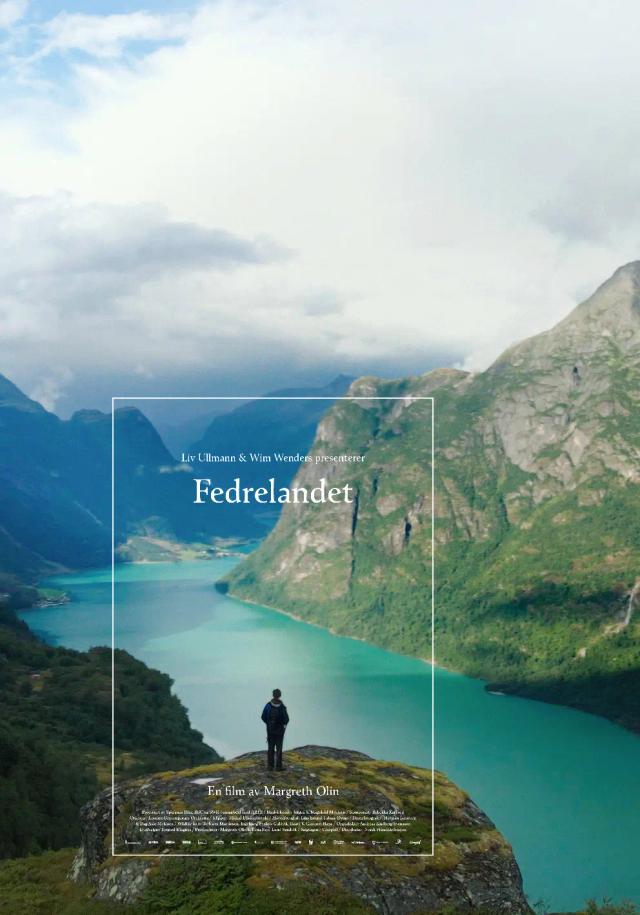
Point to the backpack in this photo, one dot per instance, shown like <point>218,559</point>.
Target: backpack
<point>275,717</point>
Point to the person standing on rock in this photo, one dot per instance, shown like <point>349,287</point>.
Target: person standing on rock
<point>275,716</point>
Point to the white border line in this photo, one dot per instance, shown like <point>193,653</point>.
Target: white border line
<point>115,854</point>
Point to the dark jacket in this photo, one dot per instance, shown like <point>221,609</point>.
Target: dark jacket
<point>275,716</point>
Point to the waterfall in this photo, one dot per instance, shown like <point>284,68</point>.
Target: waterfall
<point>631,603</point>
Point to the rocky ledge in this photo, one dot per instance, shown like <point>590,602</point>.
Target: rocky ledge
<point>472,868</point>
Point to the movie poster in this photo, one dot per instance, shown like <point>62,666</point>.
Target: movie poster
<point>319,457</point>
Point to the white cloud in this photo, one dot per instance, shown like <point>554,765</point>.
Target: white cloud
<point>444,178</point>
<point>106,36</point>
<point>51,386</point>
<point>65,268</point>
<point>12,11</point>
<point>107,288</point>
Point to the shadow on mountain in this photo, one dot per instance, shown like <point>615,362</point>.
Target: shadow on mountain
<point>552,597</point>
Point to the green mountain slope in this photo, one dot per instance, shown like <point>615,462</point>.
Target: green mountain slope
<point>537,530</point>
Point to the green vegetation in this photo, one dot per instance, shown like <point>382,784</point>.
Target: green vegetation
<point>141,548</point>
<point>205,886</point>
<point>52,595</point>
<point>55,735</point>
<point>16,595</point>
<point>610,908</point>
<point>37,885</point>
<point>224,885</point>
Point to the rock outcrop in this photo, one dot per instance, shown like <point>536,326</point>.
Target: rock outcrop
<point>472,869</point>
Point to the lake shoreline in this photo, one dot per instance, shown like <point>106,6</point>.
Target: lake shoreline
<point>514,689</point>
<point>345,635</point>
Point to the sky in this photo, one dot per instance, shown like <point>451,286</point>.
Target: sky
<point>235,196</point>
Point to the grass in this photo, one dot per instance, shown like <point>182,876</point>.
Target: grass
<point>38,886</point>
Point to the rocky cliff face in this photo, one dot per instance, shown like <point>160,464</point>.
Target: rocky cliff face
<point>565,395</point>
<point>473,868</point>
<point>537,463</point>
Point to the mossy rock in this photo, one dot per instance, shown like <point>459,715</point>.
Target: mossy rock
<point>470,866</point>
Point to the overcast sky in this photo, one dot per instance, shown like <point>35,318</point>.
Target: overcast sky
<point>236,196</point>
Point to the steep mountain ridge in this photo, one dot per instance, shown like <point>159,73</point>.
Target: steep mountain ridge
<point>612,311</point>
<point>537,516</point>
<point>12,396</point>
<point>574,386</point>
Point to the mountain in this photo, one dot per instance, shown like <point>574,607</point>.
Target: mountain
<point>473,868</point>
<point>537,508</point>
<point>269,426</point>
<point>183,426</point>
<point>55,488</point>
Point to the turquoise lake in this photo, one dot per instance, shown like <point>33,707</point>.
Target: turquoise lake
<point>561,785</point>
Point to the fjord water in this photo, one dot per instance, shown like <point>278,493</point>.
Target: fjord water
<point>561,785</point>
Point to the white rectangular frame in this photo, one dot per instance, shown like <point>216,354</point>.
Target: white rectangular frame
<point>432,662</point>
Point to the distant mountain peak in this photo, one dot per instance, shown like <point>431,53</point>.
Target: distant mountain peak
<point>609,316</point>
<point>12,396</point>
<point>340,383</point>
<point>632,269</point>
<point>618,297</point>
<point>89,416</point>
